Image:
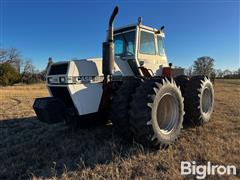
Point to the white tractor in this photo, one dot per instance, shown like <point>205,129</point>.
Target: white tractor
<point>132,85</point>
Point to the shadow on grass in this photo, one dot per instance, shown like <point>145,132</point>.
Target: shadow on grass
<point>31,148</point>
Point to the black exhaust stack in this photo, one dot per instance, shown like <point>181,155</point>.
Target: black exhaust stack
<point>108,49</point>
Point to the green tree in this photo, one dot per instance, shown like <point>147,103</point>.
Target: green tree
<point>8,75</point>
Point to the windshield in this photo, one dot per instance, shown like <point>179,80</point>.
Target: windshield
<point>124,44</point>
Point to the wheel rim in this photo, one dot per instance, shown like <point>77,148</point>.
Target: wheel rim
<point>167,113</point>
<point>206,100</point>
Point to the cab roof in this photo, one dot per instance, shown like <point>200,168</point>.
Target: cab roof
<point>134,26</point>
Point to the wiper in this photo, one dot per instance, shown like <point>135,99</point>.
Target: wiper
<point>126,43</point>
<point>127,52</point>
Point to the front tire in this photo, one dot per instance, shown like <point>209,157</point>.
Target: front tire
<point>156,113</point>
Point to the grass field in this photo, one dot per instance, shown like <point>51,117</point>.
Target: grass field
<point>31,149</point>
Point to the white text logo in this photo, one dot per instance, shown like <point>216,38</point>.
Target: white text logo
<point>201,171</point>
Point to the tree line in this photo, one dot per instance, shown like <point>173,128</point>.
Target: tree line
<point>15,69</point>
<point>205,66</point>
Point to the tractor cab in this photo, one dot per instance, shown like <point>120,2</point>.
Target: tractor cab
<point>142,48</point>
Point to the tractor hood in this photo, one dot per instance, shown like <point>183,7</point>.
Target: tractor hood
<point>71,71</point>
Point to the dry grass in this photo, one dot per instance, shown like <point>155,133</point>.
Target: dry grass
<point>31,149</point>
<point>16,101</point>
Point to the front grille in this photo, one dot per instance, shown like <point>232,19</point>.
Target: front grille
<point>58,69</point>
<point>63,94</point>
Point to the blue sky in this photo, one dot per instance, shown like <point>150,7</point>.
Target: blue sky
<point>68,29</point>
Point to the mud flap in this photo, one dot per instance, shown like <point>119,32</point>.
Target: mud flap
<point>50,110</point>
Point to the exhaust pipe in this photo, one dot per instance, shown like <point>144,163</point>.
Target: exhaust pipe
<point>110,25</point>
<point>108,49</point>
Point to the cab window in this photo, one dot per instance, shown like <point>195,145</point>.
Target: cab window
<point>147,44</point>
<point>124,44</point>
<point>161,49</point>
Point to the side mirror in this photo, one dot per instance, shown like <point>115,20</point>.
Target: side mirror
<point>160,30</point>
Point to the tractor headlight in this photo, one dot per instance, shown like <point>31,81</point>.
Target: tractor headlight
<point>50,80</point>
<point>62,79</point>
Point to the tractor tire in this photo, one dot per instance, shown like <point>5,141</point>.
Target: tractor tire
<point>156,113</point>
<point>198,100</point>
<point>120,105</point>
<point>182,81</point>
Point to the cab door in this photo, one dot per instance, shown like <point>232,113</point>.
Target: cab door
<point>147,51</point>
<point>162,57</point>
<point>148,54</point>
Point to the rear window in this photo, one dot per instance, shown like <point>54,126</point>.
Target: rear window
<point>161,49</point>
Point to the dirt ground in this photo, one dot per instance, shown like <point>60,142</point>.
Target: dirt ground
<point>31,149</point>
